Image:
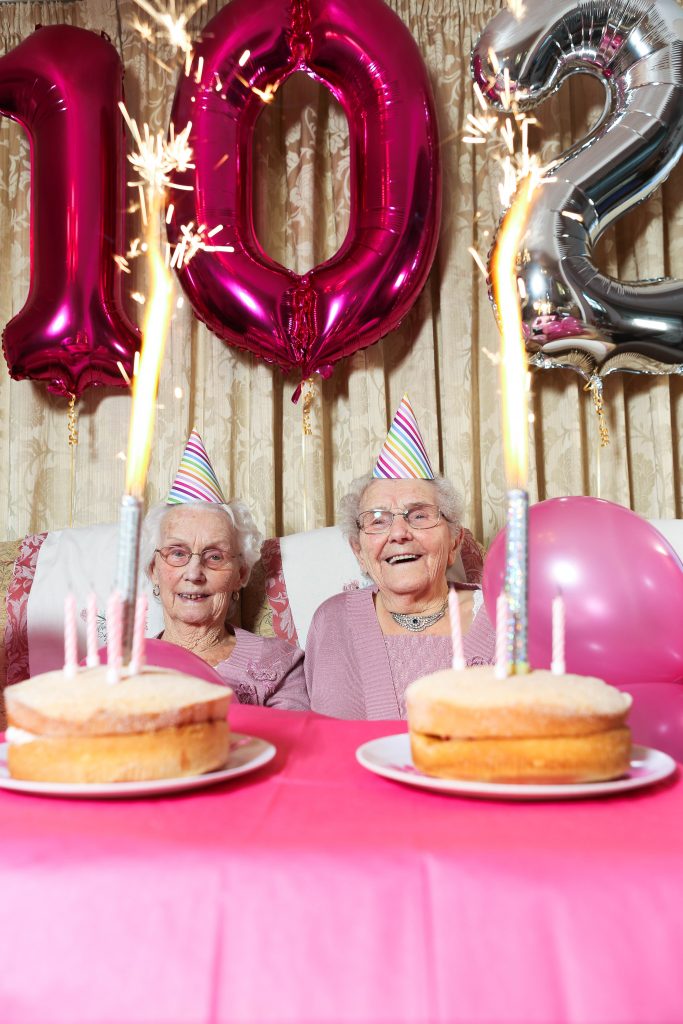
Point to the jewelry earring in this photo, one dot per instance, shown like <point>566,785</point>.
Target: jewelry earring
<point>156,589</point>
<point>235,595</point>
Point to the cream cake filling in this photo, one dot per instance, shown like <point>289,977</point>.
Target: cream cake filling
<point>18,736</point>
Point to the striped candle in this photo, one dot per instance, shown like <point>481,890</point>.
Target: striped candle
<point>137,658</point>
<point>558,666</point>
<point>114,637</point>
<point>502,636</point>
<point>458,657</point>
<point>70,637</point>
<point>92,657</point>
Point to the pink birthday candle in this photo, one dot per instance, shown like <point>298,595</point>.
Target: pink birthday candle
<point>458,659</point>
<point>501,636</point>
<point>137,657</point>
<point>92,657</point>
<point>557,665</point>
<point>114,637</point>
<point>70,637</point>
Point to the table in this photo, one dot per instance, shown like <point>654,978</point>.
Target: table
<point>315,891</point>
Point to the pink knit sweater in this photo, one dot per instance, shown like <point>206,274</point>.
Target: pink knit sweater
<point>265,670</point>
<point>354,671</point>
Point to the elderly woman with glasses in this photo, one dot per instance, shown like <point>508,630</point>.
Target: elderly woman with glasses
<point>365,646</point>
<point>199,555</point>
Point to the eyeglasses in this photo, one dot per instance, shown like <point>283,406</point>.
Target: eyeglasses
<point>210,558</point>
<point>419,517</point>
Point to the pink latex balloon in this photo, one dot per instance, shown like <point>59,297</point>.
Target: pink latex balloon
<point>622,584</point>
<point>367,58</point>
<point>656,717</point>
<point>165,655</point>
<point>63,85</point>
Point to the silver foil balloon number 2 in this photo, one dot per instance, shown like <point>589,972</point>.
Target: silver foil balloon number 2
<point>573,315</point>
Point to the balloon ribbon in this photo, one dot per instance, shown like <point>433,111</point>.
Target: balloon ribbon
<point>594,385</point>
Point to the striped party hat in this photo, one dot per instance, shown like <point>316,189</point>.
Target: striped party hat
<point>403,454</point>
<point>195,479</point>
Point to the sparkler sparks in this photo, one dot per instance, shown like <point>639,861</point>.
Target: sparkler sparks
<point>122,263</point>
<point>478,260</point>
<point>192,241</point>
<point>516,8</point>
<point>172,27</point>
<point>155,159</point>
<point>507,138</point>
<point>267,94</point>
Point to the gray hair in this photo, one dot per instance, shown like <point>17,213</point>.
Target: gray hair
<point>249,538</point>
<point>446,497</point>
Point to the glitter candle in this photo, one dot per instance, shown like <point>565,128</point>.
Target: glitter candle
<point>514,394</point>
<point>70,637</point>
<point>501,636</point>
<point>557,665</point>
<point>130,524</point>
<point>516,577</point>
<point>137,659</point>
<point>114,637</point>
<point>93,658</point>
<point>458,656</point>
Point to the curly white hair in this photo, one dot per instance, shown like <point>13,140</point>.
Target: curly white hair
<point>249,538</point>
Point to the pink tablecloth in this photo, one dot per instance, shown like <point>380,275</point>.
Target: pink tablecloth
<point>314,891</point>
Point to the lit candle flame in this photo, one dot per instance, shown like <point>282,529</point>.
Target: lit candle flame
<point>513,362</point>
<point>158,309</point>
<point>154,158</point>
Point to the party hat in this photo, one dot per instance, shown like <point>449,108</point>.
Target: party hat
<point>403,455</point>
<point>195,479</point>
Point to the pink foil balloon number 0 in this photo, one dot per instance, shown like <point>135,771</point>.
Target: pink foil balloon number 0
<point>367,58</point>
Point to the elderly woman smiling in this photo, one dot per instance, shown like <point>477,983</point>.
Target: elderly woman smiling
<point>365,646</point>
<point>199,554</point>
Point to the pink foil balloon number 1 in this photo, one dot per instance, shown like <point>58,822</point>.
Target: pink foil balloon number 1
<point>63,85</point>
<point>367,58</point>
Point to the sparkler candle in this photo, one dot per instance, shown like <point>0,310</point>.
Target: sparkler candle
<point>158,309</point>
<point>514,381</point>
<point>458,656</point>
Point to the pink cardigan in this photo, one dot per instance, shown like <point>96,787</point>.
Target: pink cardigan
<point>265,670</point>
<point>347,665</point>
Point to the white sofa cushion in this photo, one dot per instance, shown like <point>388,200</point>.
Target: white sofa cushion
<point>79,561</point>
<point>320,563</point>
<point>672,530</point>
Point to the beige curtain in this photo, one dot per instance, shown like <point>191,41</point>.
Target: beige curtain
<point>441,354</point>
